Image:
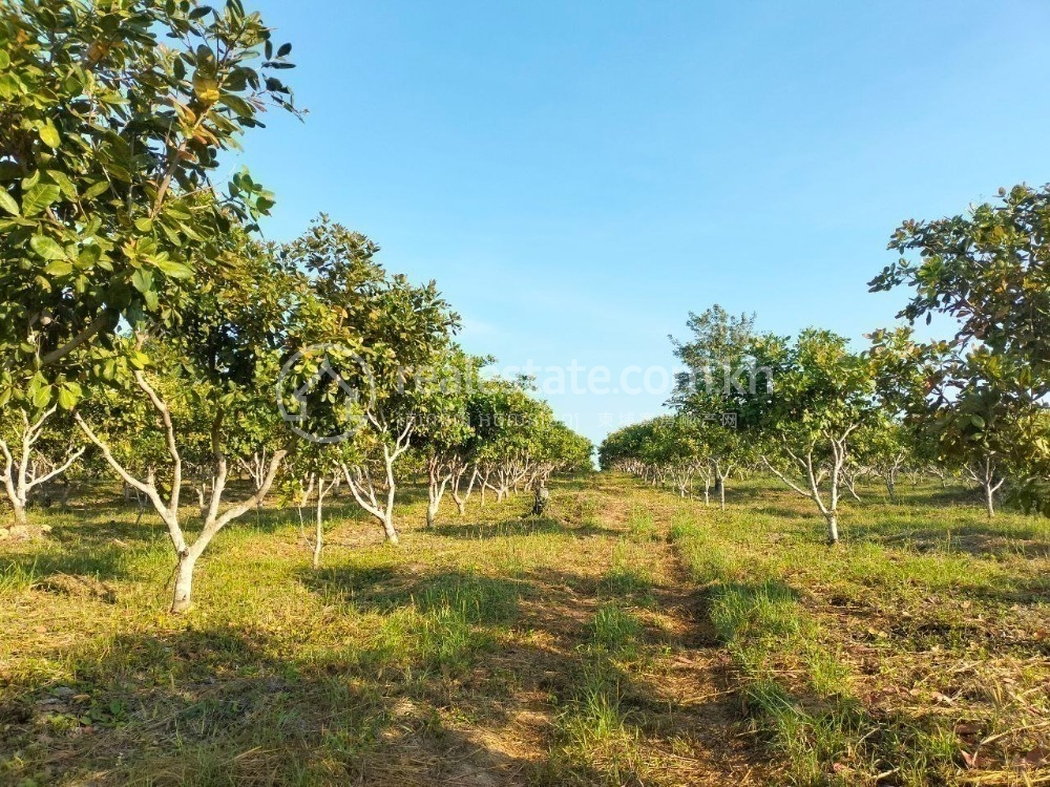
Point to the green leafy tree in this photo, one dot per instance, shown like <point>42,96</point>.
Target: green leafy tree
<point>445,437</point>
<point>194,383</point>
<point>510,424</point>
<point>823,394</point>
<point>35,449</point>
<point>721,374</point>
<point>107,146</point>
<point>883,447</point>
<point>670,449</point>
<point>113,117</point>
<point>989,271</point>
<point>379,336</point>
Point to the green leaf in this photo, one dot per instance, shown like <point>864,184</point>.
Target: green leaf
<point>37,199</point>
<point>96,189</point>
<point>42,397</point>
<point>238,105</point>
<point>144,224</point>
<point>174,270</point>
<point>47,247</point>
<point>59,268</point>
<point>142,280</point>
<point>49,135</point>
<point>62,180</point>
<point>67,397</point>
<point>7,202</point>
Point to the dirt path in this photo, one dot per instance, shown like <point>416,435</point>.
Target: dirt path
<point>485,652</point>
<point>685,722</point>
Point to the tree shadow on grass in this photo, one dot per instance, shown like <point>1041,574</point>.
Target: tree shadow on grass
<point>527,526</point>
<point>980,539</point>
<point>40,568</point>
<point>786,512</point>
<point>478,598</point>
<point>217,707</point>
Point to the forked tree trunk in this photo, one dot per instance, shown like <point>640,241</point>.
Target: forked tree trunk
<point>721,476</point>
<point>987,476</point>
<point>461,500</point>
<point>20,469</point>
<point>891,486</point>
<point>438,478</point>
<point>814,478</point>
<point>168,510</point>
<point>367,493</point>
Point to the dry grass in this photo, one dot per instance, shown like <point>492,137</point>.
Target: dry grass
<point>632,638</point>
<point>458,659</point>
<point>915,653</point>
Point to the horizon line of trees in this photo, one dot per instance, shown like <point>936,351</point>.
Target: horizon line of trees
<point>974,404</point>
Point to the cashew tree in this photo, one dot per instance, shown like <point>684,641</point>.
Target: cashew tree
<point>358,380</point>
<point>720,378</point>
<point>190,384</point>
<point>446,436</point>
<point>988,271</point>
<point>35,448</point>
<point>113,117</point>
<point>823,394</point>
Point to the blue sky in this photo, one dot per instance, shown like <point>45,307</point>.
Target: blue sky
<point>579,176</point>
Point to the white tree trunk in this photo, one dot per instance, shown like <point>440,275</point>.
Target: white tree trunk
<point>21,475</point>
<point>183,597</point>
<point>168,509</point>
<point>833,528</point>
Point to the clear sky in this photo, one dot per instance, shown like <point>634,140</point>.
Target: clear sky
<point>578,176</point>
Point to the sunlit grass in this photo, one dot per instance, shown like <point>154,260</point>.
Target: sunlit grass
<point>891,659</point>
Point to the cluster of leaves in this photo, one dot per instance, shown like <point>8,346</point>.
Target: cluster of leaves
<point>980,396</point>
<point>112,119</point>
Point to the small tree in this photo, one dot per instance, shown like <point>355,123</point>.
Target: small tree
<point>446,435</point>
<point>884,447</point>
<point>722,374</point>
<point>956,402</point>
<point>823,394</point>
<point>989,270</point>
<point>192,383</point>
<point>36,449</point>
<point>362,388</point>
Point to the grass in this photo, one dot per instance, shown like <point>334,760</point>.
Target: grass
<point>913,654</point>
<point>629,638</point>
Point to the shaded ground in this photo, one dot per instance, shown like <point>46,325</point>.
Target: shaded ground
<point>464,658</point>
<point>631,638</point>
